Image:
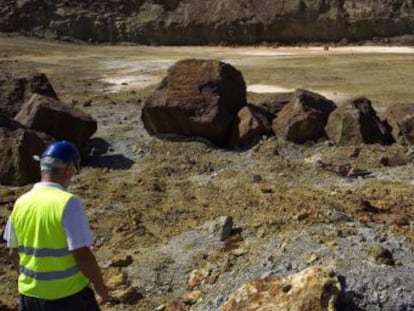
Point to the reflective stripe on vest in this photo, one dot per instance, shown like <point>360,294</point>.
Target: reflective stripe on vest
<point>44,252</point>
<point>48,276</point>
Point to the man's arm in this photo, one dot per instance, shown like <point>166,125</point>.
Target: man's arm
<point>87,264</point>
<point>79,239</point>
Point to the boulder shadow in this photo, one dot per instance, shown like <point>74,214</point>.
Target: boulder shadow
<point>185,139</point>
<point>347,298</point>
<point>96,155</point>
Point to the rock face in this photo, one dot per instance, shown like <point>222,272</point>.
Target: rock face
<point>312,289</point>
<point>57,119</point>
<point>204,22</point>
<point>251,123</point>
<point>17,166</point>
<point>304,117</point>
<point>15,91</point>
<point>356,122</point>
<point>196,98</point>
<point>401,119</point>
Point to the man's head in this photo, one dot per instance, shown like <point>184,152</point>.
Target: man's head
<point>59,162</point>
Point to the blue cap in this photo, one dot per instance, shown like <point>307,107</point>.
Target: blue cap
<point>64,151</point>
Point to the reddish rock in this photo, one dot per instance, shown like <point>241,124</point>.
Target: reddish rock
<point>304,117</point>
<point>275,102</point>
<point>196,98</point>
<point>312,289</point>
<point>356,122</point>
<point>57,119</point>
<point>394,161</point>
<point>196,277</point>
<point>401,119</point>
<point>251,123</point>
<point>15,91</point>
<point>17,166</point>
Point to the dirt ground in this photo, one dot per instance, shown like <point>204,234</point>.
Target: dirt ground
<point>141,192</point>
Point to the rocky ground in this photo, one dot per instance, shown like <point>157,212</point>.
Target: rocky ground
<point>153,204</point>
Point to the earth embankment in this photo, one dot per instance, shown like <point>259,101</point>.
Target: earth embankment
<point>203,22</point>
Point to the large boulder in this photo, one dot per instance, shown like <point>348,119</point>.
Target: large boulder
<point>17,166</point>
<point>401,119</point>
<point>57,119</point>
<point>312,289</point>
<point>15,91</point>
<point>196,98</point>
<point>274,103</point>
<point>356,122</point>
<point>251,123</point>
<point>304,117</point>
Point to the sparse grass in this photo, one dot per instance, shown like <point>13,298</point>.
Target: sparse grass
<point>384,78</point>
<point>76,70</point>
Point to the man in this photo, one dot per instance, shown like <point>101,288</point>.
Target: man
<point>50,238</point>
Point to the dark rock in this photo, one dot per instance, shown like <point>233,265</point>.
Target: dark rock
<point>276,102</point>
<point>304,117</point>
<point>222,227</point>
<point>57,119</point>
<point>393,161</point>
<point>15,91</point>
<point>401,119</point>
<point>17,166</point>
<point>251,123</point>
<point>356,122</point>
<point>196,98</point>
<point>129,295</point>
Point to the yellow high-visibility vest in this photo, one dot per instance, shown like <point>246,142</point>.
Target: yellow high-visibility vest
<point>47,268</point>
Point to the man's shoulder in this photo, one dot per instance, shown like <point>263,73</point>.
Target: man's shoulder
<point>74,205</point>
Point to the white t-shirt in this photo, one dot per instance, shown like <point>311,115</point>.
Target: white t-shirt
<point>75,224</point>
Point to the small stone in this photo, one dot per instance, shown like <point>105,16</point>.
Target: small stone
<point>116,281</point>
<point>286,288</point>
<point>381,255</point>
<point>238,252</point>
<point>212,279</point>
<point>331,243</point>
<point>176,306</point>
<point>196,277</point>
<point>161,308</point>
<point>128,295</point>
<point>312,258</point>
<point>87,103</point>
<point>257,178</point>
<point>302,216</point>
<point>192,297</point>
<point>267,190</point>
<point>121,261</point>
<point>400,220</point>
<point>222,227</point>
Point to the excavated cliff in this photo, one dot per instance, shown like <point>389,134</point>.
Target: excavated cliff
<point>201,22</point>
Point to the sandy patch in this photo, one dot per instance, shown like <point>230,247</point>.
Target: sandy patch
<point>266,88</point>
<point>375,49</point>
<point>136,82</point>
